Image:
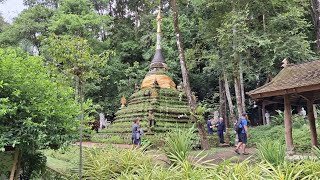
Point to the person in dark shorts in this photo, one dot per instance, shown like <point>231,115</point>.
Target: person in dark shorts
<point>243,134</point>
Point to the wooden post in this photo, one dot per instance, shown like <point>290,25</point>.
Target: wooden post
<point>222,101</point>
<point>312,122</point>
<point>315,111</point>
<point>288,124</point>
<point>259,116</point>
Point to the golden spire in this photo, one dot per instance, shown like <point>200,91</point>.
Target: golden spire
<point>159,19</point>
<point>158,61</point>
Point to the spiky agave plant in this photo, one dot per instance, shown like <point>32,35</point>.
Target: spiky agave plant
<point>110,163</point>
<point>271,151</point>
<point>316,151</point>
<point>241,171</point>
<point>304,169</point>
<point>178,145</point>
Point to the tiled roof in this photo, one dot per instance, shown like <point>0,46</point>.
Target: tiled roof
<point>292,77</point>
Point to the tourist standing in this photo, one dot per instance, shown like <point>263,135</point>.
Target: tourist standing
<point>243,134</point>
<point>303,113</point>
<point>136,132</point>
<point>267,116</point>
<point>221,128</point>
<point>209,126</point>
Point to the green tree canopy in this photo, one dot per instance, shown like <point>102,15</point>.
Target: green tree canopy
<point>38,110</point>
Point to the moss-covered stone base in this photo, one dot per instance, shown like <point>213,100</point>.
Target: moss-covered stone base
<point>169,108</point>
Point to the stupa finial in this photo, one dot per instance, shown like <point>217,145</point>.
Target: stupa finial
<point>158,61</point>
<point>159,19</point>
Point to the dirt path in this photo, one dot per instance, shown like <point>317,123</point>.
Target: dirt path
<point>101,145</point>
<point>227,153</point>
<point>215,155</point>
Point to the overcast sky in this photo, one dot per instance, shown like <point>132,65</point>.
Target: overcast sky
<point>11,8</point>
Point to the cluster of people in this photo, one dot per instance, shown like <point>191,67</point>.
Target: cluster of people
<point>220,128</point>
<point>240,127</point>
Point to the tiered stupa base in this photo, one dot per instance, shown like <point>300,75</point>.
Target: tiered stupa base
<point>170,110</point>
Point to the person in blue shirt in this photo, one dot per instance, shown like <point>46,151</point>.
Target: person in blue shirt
<point>220,129</point>
<point>243,134</point>
<point>136,132</point>
<point>209,127</point>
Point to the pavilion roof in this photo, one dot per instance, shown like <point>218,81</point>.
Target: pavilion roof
<point>296,79</point>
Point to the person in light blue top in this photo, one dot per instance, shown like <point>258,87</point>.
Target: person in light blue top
<point>243,134</point>
<point>136,132</point>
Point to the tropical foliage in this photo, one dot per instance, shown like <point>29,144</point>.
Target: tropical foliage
<point>38,109</point>
<point>53,43</point>
<point>139,164</point>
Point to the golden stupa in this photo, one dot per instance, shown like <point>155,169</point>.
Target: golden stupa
<point>157,102</point>
<point>158,66</point>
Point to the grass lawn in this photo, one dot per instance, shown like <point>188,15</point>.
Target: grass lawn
<point>63,161</point>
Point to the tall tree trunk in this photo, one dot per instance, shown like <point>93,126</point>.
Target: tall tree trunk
<point>243,98</point>
<point>231,107</point>
<point>223,108</point>
<point>81,118</point>
<point>315,4</point>
<point>17,175</point>
<point>186,83</point>
<point>222,102</point>
<point>236,66</point>
<point>238,95</point>
<point>15,164</point>
<point>228,94</point>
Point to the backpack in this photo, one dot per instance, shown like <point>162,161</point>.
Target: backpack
<point>139,133</point>
<point>237,126</point>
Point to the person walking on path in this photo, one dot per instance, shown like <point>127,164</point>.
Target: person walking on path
<point>136,132</point>
<point>221,128</point>
<point>243,134</point>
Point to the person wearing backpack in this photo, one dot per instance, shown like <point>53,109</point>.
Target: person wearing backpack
<point>243,133</point>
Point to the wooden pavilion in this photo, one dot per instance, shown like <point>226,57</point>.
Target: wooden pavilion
<point>294,85</point>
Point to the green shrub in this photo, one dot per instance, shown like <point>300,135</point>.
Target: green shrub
<point>301,136</point>
<point>271,133</point>
<point>291,171</point>
<point>123,164</point>
<point>32,163</point>
<point>110,163</point>
<point>178,145</point>
<point>277,119</point>
<point>155,141</point>
<point>242,171</point>
<point>111,139</point>
<point>316,151</point>
<point>271,151</point>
